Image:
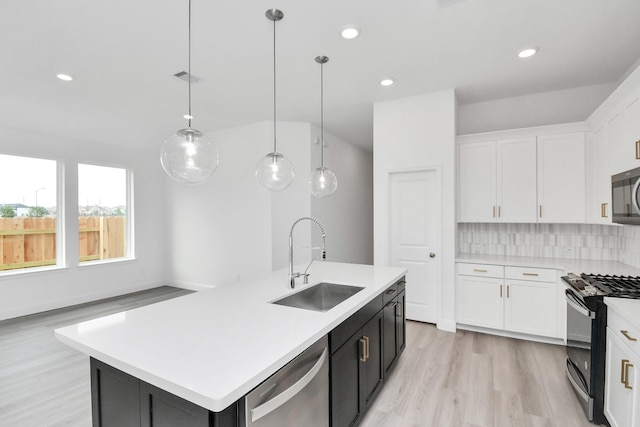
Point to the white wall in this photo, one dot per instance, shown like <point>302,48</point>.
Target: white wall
<point>221,229</point>
<point>29,291</point>
<point>232,227</point>
<point>348,213</point>
<point>540,109</point>
<point>418,132</point>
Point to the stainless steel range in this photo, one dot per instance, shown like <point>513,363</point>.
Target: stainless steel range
<point>586,334</point>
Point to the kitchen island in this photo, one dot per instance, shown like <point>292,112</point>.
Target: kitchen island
<point>212,347</point>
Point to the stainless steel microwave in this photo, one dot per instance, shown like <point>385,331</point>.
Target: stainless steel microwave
<point>625,197</point>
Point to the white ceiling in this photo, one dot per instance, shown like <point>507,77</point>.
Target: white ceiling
<point>123,55</point>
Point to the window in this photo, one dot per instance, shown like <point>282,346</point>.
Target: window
<point>28,212</point>
<point>102,213</point>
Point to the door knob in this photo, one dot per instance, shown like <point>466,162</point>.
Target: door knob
<point>432,255</point>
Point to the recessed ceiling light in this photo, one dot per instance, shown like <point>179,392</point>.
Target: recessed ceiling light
<point>349,32</point>
<point>65,77</point>
<point>527,52</point>
<point>387,82</point>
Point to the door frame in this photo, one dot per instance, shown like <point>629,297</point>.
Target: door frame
<point>438,170</point>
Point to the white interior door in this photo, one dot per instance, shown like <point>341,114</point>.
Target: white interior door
<point>415,222</point>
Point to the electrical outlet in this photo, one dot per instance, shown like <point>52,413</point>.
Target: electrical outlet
<point>566,252</point>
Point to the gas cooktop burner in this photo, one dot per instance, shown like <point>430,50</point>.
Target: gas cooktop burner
<point>618,286</point>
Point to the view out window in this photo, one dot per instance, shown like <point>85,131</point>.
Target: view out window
<point>28,212</point>
<point>102,213</point>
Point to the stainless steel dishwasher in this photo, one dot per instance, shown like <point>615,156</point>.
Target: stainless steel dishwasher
<point>296,395</point>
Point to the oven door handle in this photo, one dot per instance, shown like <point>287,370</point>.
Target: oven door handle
<point>575,303</point>
<point>634,195</point>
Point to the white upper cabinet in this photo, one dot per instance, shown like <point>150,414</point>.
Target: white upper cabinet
<point>477,174</point>
<point>497,181</point>
<point>632,133</point>
<point>516,201</point>
<point>598,178</point>
<point>526,179</point>
<point>619,158</point>
<point>561,178</point>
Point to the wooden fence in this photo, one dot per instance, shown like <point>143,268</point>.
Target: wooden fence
<point>31,242</point>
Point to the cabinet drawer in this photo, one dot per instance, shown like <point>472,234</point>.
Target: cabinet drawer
<point>481,270</point>
<point>624,330</point>
<point>532,274</point>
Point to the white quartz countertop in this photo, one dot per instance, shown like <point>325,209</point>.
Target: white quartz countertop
<point>627,308</point>
<point>576,266</point>
<point>213,347</point>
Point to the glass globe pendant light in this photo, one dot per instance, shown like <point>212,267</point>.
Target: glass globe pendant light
<point>323,181</point>
<point>188,156</point>
<point>274,171</point>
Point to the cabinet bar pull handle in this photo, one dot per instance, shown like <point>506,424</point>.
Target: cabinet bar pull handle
<point>391,291</point>
<point>494,211</point>
<point>498,211</point>
<point>540,211</point>
<point>627,336</point>
<point>638,149</point>
<point>479,270</point>
<point>507,291</point>
<point>363,350</point>
<point>626,376</point>
<point>622,364</point>
<point>603,210</point>
<point>366,356</point>
<point>400,310</point>
<point>500,291</point>
<point>529,274</point>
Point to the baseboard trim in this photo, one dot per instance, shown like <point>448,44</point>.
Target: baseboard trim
<point>508,334</point>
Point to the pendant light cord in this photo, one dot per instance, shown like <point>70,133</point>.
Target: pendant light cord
<point>189,66</point>
<point>322,115</point>
<point>274,86</point>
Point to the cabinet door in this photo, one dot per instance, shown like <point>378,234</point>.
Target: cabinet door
<point>390,335</point>
<point>632,133</point>
<point>618,398</point>
<point>477,182</point>
<point>561,178</point>
<point>531,307</point>
<point>617,154</point>
<point>598,178</point>
<point>345,382</point>
<point>516,180</point>
<point>372,370</point>
<point>480,301</point>
<point>401,324</point>
<point>162,409</point>
<point>115,397</point>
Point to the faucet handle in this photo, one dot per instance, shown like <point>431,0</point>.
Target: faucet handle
<point>306,278</point>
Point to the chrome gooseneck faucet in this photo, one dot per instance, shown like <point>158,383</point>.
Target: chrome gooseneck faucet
<point>293,276</point>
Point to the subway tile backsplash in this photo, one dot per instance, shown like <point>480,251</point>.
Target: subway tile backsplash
<point>576,241</point>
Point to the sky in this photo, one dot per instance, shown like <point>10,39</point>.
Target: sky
<point>22,178</point>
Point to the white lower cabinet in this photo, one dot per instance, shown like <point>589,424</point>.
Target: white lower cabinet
<point>514,299</point>
<point>622,381</point>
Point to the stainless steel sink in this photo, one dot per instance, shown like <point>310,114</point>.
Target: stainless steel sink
<point>321,297</point>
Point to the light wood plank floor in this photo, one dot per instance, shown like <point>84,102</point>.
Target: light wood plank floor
<point>442,379</point>
<point>476,380</point>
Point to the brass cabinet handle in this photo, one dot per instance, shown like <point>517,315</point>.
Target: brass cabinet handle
<point>627,336</point>
<point>498,211</point>
<point>540,211</point>
<point>638,149</point>
<point>507,291</point>
<point>529,274</point>
<point>400,310</point>
<point>622,364</point>
<point>479,270</point>
<point>500,291</point>
<point>391,291</point>
<point>626,376</point>
<point>366,340</point>
<point>494,211</point>
<point>603,210</point>
<point>363,350</point>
